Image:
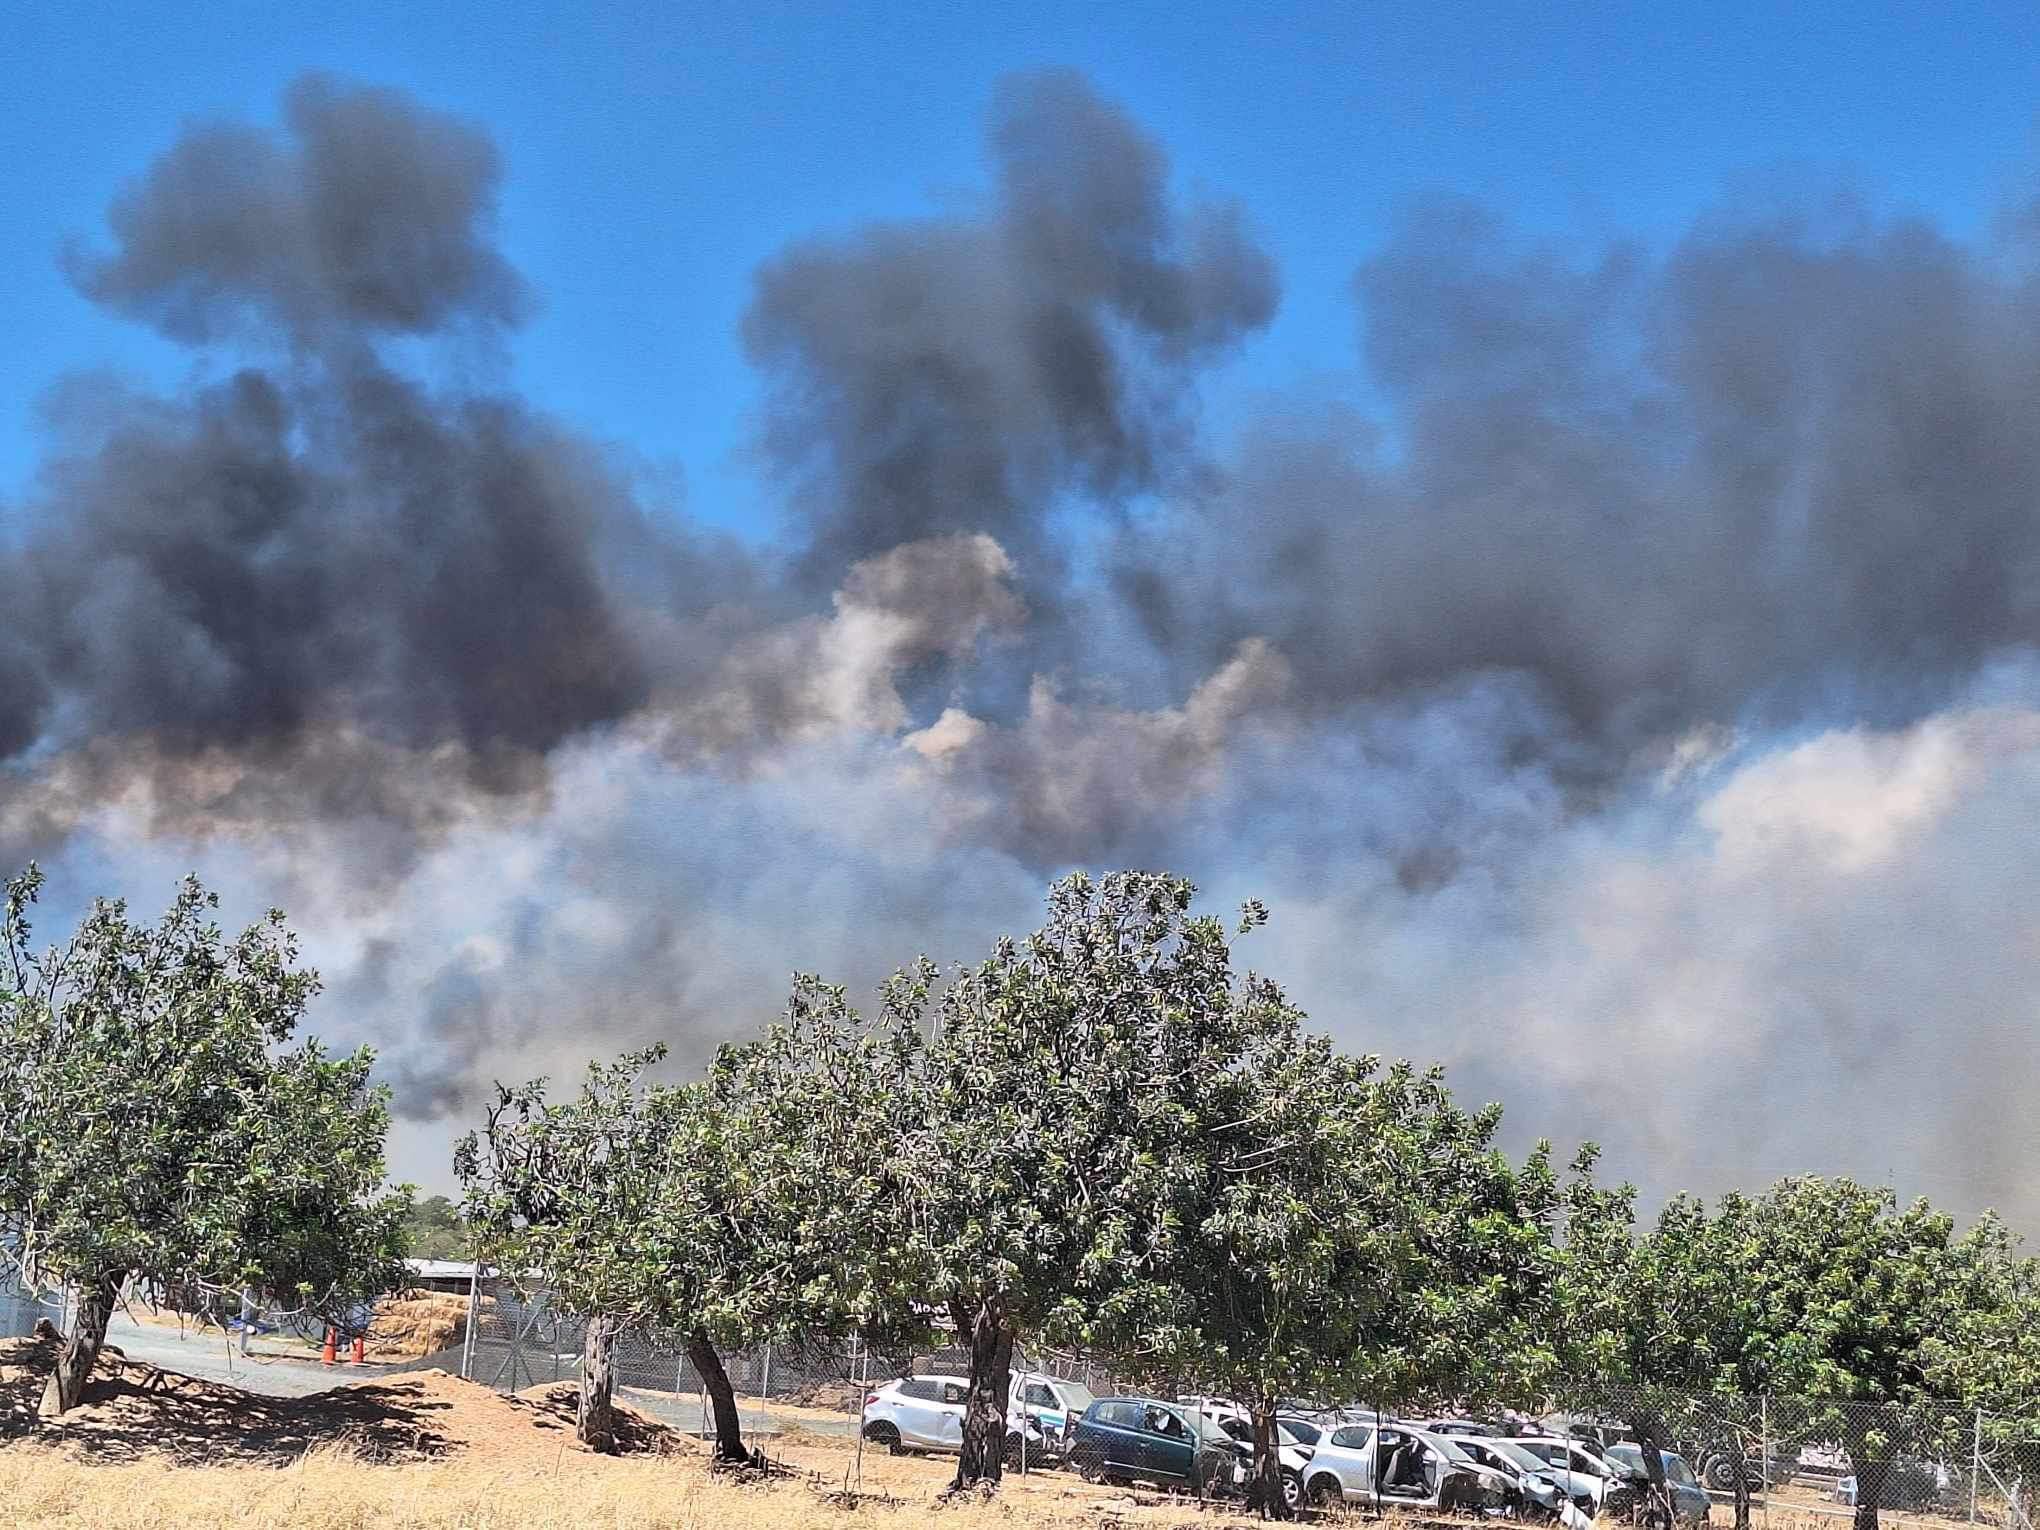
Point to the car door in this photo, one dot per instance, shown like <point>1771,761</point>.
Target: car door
<point>950,1419</point>
<point>1586,1474</point>
<point>1125,1450</point>
<point>1035,1400</point>
<point>1172,1445</point>
<point>920,1413</point>
<point>1351,1459</point>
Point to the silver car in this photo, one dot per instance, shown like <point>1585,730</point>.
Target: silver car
<point>1416,1469</point>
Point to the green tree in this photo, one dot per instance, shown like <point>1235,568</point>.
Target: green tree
<point>1359,1236</point>
<point>1657,1321</point>
<point>574,1199</point>
<point>1890,1313</point>
<point>434,1230</point>
<point>150,1127</point>
<point>788,1170</point>
<point>1059,1105</point>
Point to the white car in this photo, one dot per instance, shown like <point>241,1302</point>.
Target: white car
<point>1292,1451</point>
<point>1585,1473</point>
<point>1539,1482</point>
<point>1418,1469</point>
<point>926,1413</point>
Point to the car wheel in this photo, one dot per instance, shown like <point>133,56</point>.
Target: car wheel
<point>1292,1490</point>
<point>1718,1472</point>
<point>1324,1492</point>
<point>886,1434</point>
<point>1090,1466</point>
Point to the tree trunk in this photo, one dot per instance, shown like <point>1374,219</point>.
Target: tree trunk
<point>596,1427</point>
<point>982,1458</point>
<point>1657,1496</point>
<point>1742,1488</point>
<point>1869,1464</point>
<point>1267,1491</point>
<point>80,1353</point>
<point>722,1397</point>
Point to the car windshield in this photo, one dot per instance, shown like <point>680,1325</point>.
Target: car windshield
<point>1076,1394</point>
<point>1447,1447</point>
<point>1517,1456</point>
<point>1676,1469</point>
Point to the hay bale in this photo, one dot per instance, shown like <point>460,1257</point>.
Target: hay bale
<point>417,1323</point>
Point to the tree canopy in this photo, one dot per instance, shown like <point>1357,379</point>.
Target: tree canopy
<point>160,1124</point>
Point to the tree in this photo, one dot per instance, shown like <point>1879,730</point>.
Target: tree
<point>1660,1320</point>
<point>150,1128</point>
<point>434,1230</point>
<point>1886,1311</point>
<point>575,1198</point>
<point>1058,1103</point>
<point>789,1170</point>
<point>1357,1234</point>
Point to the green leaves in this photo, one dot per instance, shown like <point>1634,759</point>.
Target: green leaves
<point>148,1126</point>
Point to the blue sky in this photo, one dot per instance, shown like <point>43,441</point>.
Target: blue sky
<point>656,153</point>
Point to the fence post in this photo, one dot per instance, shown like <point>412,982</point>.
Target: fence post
<point>1764,1428</point>
<point>467,1343</point>
<point>1975,1465</point>
<point>765,1379</point>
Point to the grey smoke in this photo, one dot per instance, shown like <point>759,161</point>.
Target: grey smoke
<point>1781,471</point>
<point>1560,702</point>
<point>964,374</point>
<point>370,211</point>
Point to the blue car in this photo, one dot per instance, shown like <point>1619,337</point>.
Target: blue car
<point>1137,1439</point>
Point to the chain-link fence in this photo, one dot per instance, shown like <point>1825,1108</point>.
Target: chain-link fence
<point>1771,1462</point>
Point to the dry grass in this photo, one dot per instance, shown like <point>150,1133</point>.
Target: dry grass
<point>330,1488</point>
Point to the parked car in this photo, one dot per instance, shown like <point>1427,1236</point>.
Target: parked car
<point>1590,1479</point>
<point>1542,1485</point>
<point>1291,1449</point>
<point>1690,1503</point>
<point>1125,1439</point>
<point>926,1413</point>
<point>1053,1405</point>
<point>1417,1469</point>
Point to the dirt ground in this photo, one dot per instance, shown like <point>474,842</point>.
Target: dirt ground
<point>382,1444</point>
<point>134,1410</point>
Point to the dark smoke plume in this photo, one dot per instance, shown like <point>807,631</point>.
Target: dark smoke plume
<point>963,374</point>
<point>1645,691</point>
<point>1783,472</point>
<point>372,212</point>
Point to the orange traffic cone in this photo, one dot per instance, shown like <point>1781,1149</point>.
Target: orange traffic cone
<point>360,1350</point>
<point>332,1346</point>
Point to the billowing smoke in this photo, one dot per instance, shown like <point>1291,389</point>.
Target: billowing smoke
<point>967,374</point>
<point>1634,706</point>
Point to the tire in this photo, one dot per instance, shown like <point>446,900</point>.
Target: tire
<point>1292,1490</point>
<point>1014,1445</point>
<point>1718,1472</point>
<point>1325,1492</point>
<point>883,1432</point>
<point>1090,1465</point>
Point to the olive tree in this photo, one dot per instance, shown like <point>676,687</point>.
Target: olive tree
<point>156,1122</point>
